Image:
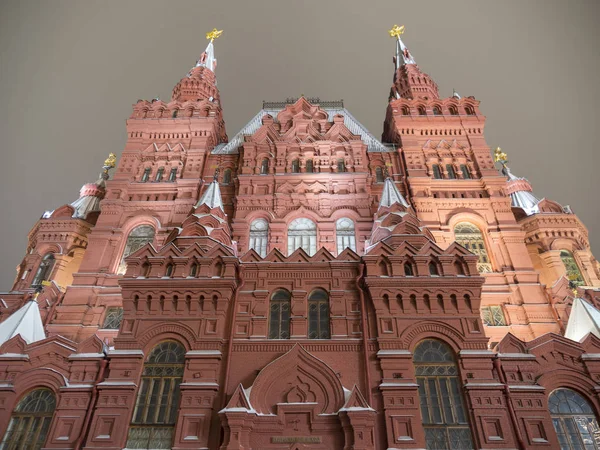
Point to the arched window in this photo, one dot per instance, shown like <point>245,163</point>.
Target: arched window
<point>279,315</point>
<point>227,176</point>
<point>193,270</point>
<point>437,173</point>
<point>155,412</point>
<point>405,111</point>
<point>309,166</point>
<point>422,111</point>
<point>173,174</point>
<point>344,230</point>
<point>341,166</point>
<point>264,167</point>
<point>470,237</point>
<point>318,315</point>
<point>30,421</point>
<point>146,174</point>
<point>465,172</point>
<point>574,420</point>
<point>437,111</point>
<point>571,267</point>
<point>379,175</point>
<point>138,237</point>
<point>450,170</point>
<point>159,174</point>
<point>408,270</point>
<point>453,111</point>
<point>302,233</point>
<point>295,166</point>
<point>259,236</point>
<point>470,111</point>
<point>442,406</point>
<point>113,318</point>
<point>433,269</point>
<point>44,270</point>
<point>169,270</point>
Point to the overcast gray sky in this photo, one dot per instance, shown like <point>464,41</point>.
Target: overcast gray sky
<point>70,71</point>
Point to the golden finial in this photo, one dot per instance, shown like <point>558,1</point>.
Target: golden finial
<point>500,156</point>
<point>396,31</point>
<point>110,162</point>
<point>214,34</point>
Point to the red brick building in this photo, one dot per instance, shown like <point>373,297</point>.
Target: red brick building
<point>304,285</point>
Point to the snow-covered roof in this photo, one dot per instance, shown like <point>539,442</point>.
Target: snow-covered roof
<point>391,195</point>
<point>584,319</point>
<point>355,127</point>
<point>25,321</point>
<point>212,196</point>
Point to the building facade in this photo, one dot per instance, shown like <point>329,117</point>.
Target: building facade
<point>304,285</point>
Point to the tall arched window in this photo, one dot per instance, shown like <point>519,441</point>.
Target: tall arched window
<point>279,315</point>
<point>146,174</point>
<point>302,233</point>
<point>450,170</point>
<point>30,421</point>
<point>470,237</point>
<point>318,315</point>
<point>44,270</point>
<point>437,111</point>
<point>465,172</point>
<point>259,236</point>
<point>159,174</point>
<point>573,273</point>
<point>138,237</point>
<point>379,175</point>
<point>437,173</point>
<point>341,165</point>
<point>442,406</point>
<point>264,167</point>
<point>227,176</point>
<point>453,111</point>
<point>574,420</point>
<point>309,166</point>
<point>173,174</point>
<point>421,110</point>
<point>345,235</point>
<point>295,166</point>
<point>153,422</point>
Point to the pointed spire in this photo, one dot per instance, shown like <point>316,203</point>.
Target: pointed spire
<point>391,195</point>
<point>207,59</point>
<point>455,94</point>
<point>403,56</point>
<point>25,321</point>
<point>584,319</point>
<point>212,195</point>
<point>519,189</point>
<point>91,193</point>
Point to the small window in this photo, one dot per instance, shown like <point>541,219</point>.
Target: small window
<point>453,111</point>
<point>159,174</point>
<point>279,315</point>
<point>264,167</point>
<point>465,172</point>
<point>470,111</point>
<point>146,270</point>
<point>174,114</point>
<point>450,170</point>
<point>572,269</point>
<point>193,270</point>
<point>422,111</point>
<point>493,316</point>
<point>169,270</point>
<point>437,111</point>
<point>44,271</point>
<point>408,270</point>
<point>309,166</point>
<point>433,269</point>
<point>341,166</point>
<point>318,315</point>
<point>295,166</point>
<point>227,176</point>
<point>437,173</point>
<point>405,111</point>
<point>146,174</point>
<point>113,318</point>
<point>379,175</point>
<point>173,174</point>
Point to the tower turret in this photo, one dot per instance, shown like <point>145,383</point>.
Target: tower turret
<point>409,81</point>
<point>200,83</point>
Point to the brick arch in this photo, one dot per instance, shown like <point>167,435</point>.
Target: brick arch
<point>570,379</point>
<point>415,333</point>
<point>175,331</point>
<point>37,378</point>
<point>297,377</point>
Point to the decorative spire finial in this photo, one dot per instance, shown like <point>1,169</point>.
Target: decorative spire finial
<point>214,34</point>
<point>403,56</point>
<point>109,163</point>
<point>500,156</point>
<point>396,31</point>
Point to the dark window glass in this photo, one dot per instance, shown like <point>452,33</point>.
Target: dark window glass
<point>227,176</point>
<point>422,111</point>
<point>408,270</point>
<point>295,166</point>
<point>264,167</point>
<point>44,270</point>
<point>433,270</point>
<point>437,173</point>
<point>113,318</point>
<point>146,174</point>
<point>173,174</point>
<point>279,316</point>
<point>341,166</point>
<point>318,315</point>
<point>379,174</point>
<point>309,166</point>
<point>465,171</point>
<point>159,174</point>
<point>437,111</point>
<point>450,170</point>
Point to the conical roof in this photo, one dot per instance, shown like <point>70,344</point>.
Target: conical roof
<point>520,193</point>
<point>212,196</point>
<point>25,321</point>
<point>584,319</point>
<point>391,195</point>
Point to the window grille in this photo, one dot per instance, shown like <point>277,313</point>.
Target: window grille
<point>345,235</point>
<point>318,315</point>
<point>279,315</point>
<point>379,175</point>
<point>155,411</point>
<point>443,411</point>
<point>470,237</point>
<point>574,421</point>
<point>493,316</point>
<point>30,421</point>
<point>138,237</point>
<point>113,318</point>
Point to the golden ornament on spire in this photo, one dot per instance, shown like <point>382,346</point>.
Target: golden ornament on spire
<point>500,156</point>
<point>110,162</point>
<point>214,34</point>
<point>396,31</point>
